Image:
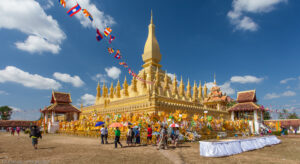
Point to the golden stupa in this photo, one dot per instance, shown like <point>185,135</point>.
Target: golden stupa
<point>163,95</point>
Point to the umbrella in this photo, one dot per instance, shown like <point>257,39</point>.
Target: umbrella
<point>116,124</point>
<point>127,124</point>
<point>174,125</point>
<point>99,123</point>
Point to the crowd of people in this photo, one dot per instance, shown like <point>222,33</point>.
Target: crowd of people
<point>12,130</point>
<point>133,136</point>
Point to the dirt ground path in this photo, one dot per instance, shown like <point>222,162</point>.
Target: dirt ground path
<point>70,149</point>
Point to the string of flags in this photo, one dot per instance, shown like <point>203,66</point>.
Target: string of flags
<point>107,33</point>
<point>275,110</point>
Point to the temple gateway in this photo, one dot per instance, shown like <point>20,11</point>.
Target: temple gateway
<point>163,95</point>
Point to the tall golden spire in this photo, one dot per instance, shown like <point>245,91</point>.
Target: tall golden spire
<point>181,88</point>
<point>125,88</point>
<point>195,92</point>
<point>98,91</point>
<point>188,90</point>
<point>111,91</point>
<point>205,90</point>
<point>118,90</point>
<point>200,91</point>
<point>166,82</point>
<point>151,55</point>
<point>134,84</point>
<point>104,94</point>
<point>174,91</point>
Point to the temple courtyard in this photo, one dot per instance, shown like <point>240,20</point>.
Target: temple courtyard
<point>71,149</point>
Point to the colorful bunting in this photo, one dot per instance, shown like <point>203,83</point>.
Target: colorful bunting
<point>123,64</point>
<point>111,38</point>
<point>111,50</point>
<point>63,3</point>
<point>98,35</point>
<point>118,55</point>
<point>87,14</point>
<point>74,10</point>
<point>107,31</point>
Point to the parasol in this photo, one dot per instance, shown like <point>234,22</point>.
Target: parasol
<point>99,123</point>
<point>116,124</point>
<point>174,125</point>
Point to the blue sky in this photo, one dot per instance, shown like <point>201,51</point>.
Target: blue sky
<point>249,44</point>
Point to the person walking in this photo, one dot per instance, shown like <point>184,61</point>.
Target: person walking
<point>149,135</point>
<point>128,135</point>
<point>137,136</point>
<point>12,131</point>
<point>35,133</point>
<point>177,133</point>
<point>163,138</point>
<point>106,135</point>
<point>117,137</point>
<point>18,130</point>
<point>102,131</point>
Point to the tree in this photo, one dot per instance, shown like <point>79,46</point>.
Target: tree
<point>231,104</point>
<point>293,116</point>
<point>267,115</point>
<point>284,115</point>
<point>5,112</point>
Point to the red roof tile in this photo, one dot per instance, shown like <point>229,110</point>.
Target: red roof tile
<point>60,97</point>
<point>247,106</point>
<point>246,96</point>
<point>61,108</point>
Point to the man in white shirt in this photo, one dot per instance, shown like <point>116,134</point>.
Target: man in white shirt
<point>103,133</point>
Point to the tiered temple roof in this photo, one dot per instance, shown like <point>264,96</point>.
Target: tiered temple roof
<point>246,101</point>
<point>61,103</point>
<point>216,95</point>
<point>157,93</point>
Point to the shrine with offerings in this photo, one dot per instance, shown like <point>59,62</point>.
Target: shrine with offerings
<point>157,100</point>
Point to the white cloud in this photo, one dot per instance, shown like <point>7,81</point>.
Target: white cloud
<point>113,72</point>
<point>27,16</point>
<point>16,75</point>
<point>20,114</point>
<point>172,75</point>
<point>37,44</point>
<point>101,20</point>
<point>241,7</point>
<point>100,78</point>
<point>246,79</point>
<point>3,93</point>
<point>226,88</point>
<point>88,99</point>
<point>284,81</point>
<point>276,95</point>
<point>75,80</point>
<point>289,93</point>
<point>48,4</point>
<point>15,109</point>
<point>209,85</point>
<point>271,96</point>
